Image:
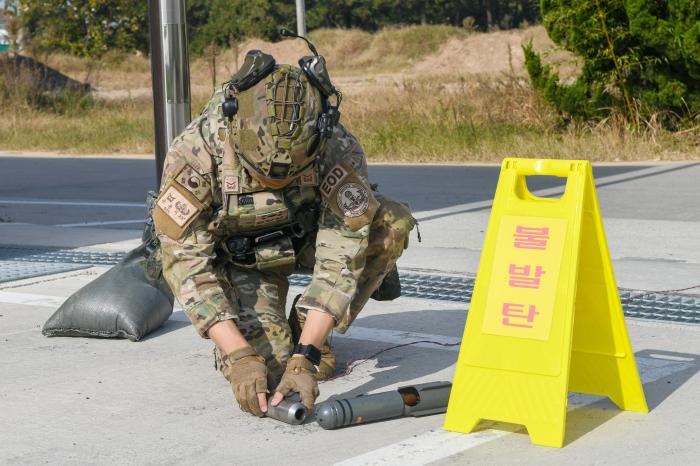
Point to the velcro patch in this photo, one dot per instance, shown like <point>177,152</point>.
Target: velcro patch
<point>175,209</point>
<point>195,183</point>
<point>333,179</point>
<point>176,206</point>
<point>308,178</point>
<point>349,197</point>
<point>353,199</point>
<point>231,184</point>
<point>266,200</point>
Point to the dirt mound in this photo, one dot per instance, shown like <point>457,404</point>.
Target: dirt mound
<point>479,53</point>
<point>495,52</point>
<point>286,51</point>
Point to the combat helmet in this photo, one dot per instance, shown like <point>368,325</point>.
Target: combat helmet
<point>279,116</point>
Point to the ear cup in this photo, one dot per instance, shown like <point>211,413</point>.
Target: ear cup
<point>230,107</point>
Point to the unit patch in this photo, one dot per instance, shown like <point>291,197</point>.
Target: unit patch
<point>333,179</point>
<point>176,206</point>
<point>231,184</point>
<point>353,199</point>
<point>349,196</point>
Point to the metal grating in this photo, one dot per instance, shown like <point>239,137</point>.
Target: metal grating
<point>13,270</point>
<point>59,256</point>
<point>639,304</point>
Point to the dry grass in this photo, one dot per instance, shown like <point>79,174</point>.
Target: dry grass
<point>123,127</point>
<point>490,118</point>
<point>399,114</point>
<point>473,119</point>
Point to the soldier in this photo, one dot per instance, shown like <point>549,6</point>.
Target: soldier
<point>266,182</point>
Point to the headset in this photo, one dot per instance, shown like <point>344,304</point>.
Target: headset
<point>257,65</point>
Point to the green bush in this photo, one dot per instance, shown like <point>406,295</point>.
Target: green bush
<point>641,57</point>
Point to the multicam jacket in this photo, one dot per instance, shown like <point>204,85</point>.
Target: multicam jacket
<point>207,198</point>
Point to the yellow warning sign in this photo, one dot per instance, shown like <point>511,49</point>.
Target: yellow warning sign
<point>545,316</point>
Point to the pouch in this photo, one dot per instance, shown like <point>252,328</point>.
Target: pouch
<point>258,211</point>
<point>275,254</point>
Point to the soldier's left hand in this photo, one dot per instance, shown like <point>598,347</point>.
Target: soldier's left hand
<point>298,377</point>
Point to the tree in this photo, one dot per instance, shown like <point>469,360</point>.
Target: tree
<point>373,14</point>
<point>218,21</point>
<point>86,28</point>
<point>640,56</point>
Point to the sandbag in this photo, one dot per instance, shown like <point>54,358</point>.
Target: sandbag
<point>129,301</point>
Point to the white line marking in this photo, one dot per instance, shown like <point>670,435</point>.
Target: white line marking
<point>140,205</point>
<point>435,445</point>
<point>91,224</point>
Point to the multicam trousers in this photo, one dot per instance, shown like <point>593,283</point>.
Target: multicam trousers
<point>262,295</point>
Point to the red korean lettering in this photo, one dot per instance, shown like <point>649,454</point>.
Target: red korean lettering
<point>519,315</point>
<point>525,276</point>
<point>530,238</point>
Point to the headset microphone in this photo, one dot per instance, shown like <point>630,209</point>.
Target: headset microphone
<point>316,71</point>
<point>288,33</point>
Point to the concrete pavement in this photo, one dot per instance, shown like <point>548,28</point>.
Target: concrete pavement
<point>159,401</point>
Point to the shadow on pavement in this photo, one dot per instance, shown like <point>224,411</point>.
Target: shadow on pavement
<point>677,369</point>
<point>403,363</point>
<point>662,373</point>
<point>658,390</point>
<point>176,321</point>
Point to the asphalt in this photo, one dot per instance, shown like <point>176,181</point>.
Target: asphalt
<point>78,401</point>
<point>80,190</point>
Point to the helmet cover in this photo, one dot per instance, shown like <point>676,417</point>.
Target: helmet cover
<point>275,130</point>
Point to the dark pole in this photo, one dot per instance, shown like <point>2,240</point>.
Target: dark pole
<point>161,145</point>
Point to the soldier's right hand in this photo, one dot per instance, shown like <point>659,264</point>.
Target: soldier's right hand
<point>247,373</point>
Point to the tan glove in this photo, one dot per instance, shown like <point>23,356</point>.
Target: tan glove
<point>247,373</point>
<point>300,377</point>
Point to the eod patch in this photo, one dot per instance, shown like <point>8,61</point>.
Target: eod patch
<point>349,196</point>
<point>353,199</point>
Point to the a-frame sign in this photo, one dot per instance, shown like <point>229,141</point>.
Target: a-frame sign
<point>545,316</point>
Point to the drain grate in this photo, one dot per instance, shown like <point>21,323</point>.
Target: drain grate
<point>674,308</point>
<point>59,256</point>
<point>13,270</point>
<point>654,306</point>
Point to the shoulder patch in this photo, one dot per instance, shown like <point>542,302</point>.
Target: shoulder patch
<point>334,177</point>
<point>175,210</point>
<point>195,183</point>
<point>353,199</point>
<point>349,197</point>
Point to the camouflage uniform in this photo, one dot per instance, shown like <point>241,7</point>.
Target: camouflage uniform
<point>207,196</point>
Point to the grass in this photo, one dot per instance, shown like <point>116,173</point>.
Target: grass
<point>485,119</point>
<point>469,120</point>
<point>447,118</point>
<point>122,127</point>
